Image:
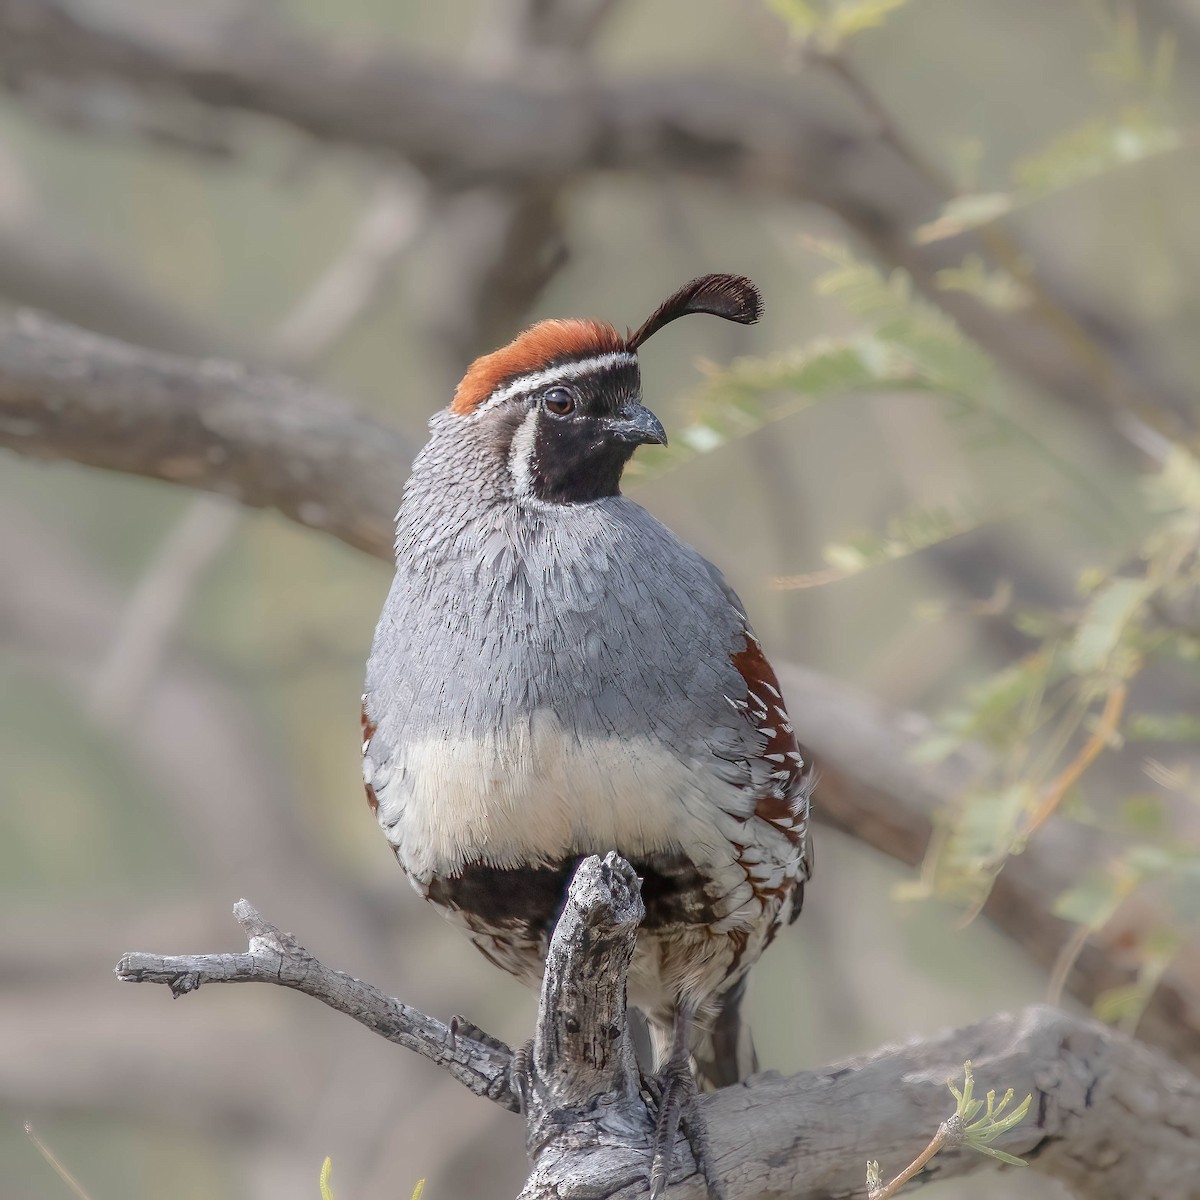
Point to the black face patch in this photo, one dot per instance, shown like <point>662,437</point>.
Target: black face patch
<point>571,457</point>
<point>575,460</point>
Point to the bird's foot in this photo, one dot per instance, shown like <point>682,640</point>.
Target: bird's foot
<point>522,1075</point>
<point>674,1094</point>
<point>460,1026</point>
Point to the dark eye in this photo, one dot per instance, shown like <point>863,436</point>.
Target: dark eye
<point>559,401</point>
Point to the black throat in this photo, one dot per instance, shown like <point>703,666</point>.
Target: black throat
<point>571,462</point>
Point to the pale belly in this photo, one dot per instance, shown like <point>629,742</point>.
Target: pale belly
<point>490,831</point>
<point>539,795</point>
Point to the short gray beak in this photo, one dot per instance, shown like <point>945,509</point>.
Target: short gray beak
<point>637,424</point>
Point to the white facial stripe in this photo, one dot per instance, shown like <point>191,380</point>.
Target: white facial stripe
<point>520,455</point>
<point>559,374</point>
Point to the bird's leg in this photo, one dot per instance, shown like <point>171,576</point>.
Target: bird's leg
<point>676,1102</point>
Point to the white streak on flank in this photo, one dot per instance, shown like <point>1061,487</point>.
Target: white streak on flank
<point>520,456</point>
<point>560,374</point>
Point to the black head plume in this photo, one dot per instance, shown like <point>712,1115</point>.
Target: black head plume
<point>730,296</point>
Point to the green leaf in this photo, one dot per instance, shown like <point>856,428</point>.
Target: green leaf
<point>907,533</point>
<point>1124,1005</point>
<point>996,288</point>
<point>1163,727</point>
<point>963,213</point>
<point>1118,1003</point>
<point>326,1171</point>
<point>1149,862</point>
<point>1144,812</point>
<point>1001,1156</point>
<point>1111,609</point>
<point>935,748</point>
<point>989,826</point>
<point>1090,151</point>
<point>803,18</point>
<point>1093,900</point>
<point>998,707</point>
<point>1177,484</point>
<point>753,393</point>
<point>850,17</point>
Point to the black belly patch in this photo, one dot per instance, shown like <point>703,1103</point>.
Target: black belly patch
<point>673,891</point>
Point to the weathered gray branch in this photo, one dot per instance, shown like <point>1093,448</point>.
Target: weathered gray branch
<point>276,957</point>
<point>1111,1117</point>
<point>466,129</point>
<point>260,438</point>
<point>583,1096</point>
<point>270,441</point>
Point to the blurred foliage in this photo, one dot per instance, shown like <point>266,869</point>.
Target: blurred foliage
<point>1050,716</point>
<point>327,1188</point>
<point>1047,719</point>
<point>1137,74</point>
<point>830,23</point>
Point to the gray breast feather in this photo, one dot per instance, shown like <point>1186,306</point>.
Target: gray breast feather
<point>596,612</point>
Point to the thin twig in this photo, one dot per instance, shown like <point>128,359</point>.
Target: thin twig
<point>277,957</point>
<point>1066,958</point>
<point>1102,737</point>
<point>349,287</point>
<point>55,1165</point>
<point>887,1190</point>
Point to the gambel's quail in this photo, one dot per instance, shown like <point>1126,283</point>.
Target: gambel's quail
<point>555,674</point>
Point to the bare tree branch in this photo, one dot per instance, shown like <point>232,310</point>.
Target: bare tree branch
<point>807,1136</point>
<point>465,129</point>
<point>260,438</point>
<point>276,957</point>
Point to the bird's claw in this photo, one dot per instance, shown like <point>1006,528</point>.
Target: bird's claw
<point>522,1076</point>
<point>674,1094</point>
<point>461,1027</point>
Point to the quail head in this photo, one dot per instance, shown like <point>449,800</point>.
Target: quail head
<point>555,674</point>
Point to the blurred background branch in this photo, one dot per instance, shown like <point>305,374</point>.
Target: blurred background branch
<point>466,128</point>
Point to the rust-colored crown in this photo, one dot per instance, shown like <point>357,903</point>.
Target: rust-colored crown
<point>558,341</point>
<point>538,347</point>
